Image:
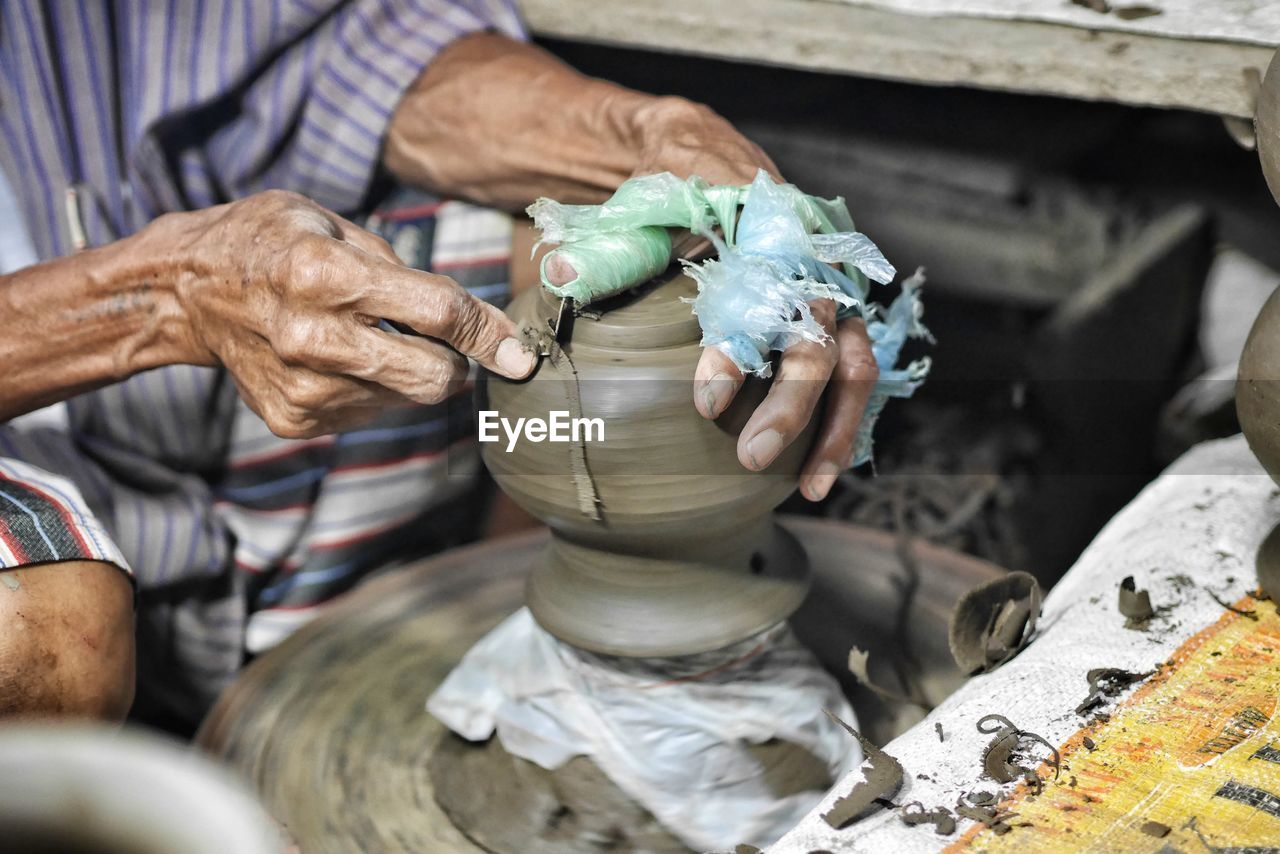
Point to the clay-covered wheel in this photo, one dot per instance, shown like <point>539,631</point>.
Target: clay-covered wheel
<point>331,729</point>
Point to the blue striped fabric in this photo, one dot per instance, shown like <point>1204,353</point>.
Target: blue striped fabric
<point>160,105</point>
<point>234,536</point>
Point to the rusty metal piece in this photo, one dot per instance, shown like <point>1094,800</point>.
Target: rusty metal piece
<point>881,778</point>
<point>993,622</point>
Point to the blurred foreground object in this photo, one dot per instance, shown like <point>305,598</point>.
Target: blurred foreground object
<point>98,791</point>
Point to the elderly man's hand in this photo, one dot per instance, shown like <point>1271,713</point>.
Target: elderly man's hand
<point>686,138</point>
<point>288,297</point>
<point>679,136</point>
<point>502,122</point>
<point>690,139</point>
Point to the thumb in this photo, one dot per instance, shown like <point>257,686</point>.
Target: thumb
<point>559,270</point>
<point>606,264</point>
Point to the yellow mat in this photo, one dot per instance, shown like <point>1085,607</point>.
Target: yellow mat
<point>1196,749</point>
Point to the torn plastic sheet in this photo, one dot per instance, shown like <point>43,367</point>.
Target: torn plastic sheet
<point>786,249</point>
<point>671,733</point>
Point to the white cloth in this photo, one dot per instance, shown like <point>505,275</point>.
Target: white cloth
<point>671,733</point>
<point>1202,520</point>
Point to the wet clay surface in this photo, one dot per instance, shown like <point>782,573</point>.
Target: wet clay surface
<point>662,544</point>
<point>991,623</point>
<point>1258,382</point>
<point>509,805</point>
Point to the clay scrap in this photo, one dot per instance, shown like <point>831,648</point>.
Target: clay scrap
<point>544,343</point>
<point>979,808</point>
<point>944,823</point>
<point>1268,563</point>
<point>1127,13</point>
<point>1134,604</point>
<point>999,759</point>
<point>1156,829</point>
<point>1106,683</point>
<point>1248,613</point>
<point>993,622</point>
<point>858,667</point>
<point>881,778</point>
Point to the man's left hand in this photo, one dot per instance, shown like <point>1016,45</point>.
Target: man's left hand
<point>502,122</point>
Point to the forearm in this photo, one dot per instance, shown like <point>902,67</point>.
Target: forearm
<point>502,122</point>
<point>85,321</point>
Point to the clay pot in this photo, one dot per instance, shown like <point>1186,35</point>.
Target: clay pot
<point>683,557</point>
<point>1258,387</point>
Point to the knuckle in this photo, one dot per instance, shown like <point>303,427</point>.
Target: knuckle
<point>290,212</point>
<point>470,327</point>
<point>830,355</point>
<point>280,199</point>
<point>306,264</point>
<point>383,245</point>
<point>448,307</point>
<point>431,393</point>
<point>287,423</point>
<point>824,311</point>
<point>169,220</point>
<point>440,379</point>
<point>293,342</point>
<point>305,394</point>
<point>859,367</point>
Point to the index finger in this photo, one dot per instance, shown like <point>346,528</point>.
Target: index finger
<point>438,307</point>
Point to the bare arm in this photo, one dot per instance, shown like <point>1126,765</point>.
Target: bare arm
<point>282,293</point>
<point>85,321</point>
<point>503,122</point>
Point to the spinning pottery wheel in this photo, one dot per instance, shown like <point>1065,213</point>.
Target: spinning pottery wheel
<point>330,728</point>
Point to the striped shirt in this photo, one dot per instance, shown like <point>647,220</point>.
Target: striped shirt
<point>234,536</point>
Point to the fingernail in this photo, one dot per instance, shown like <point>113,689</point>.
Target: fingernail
<point>821,481</point>
<point>514,360</point>
<point>764,448</point>
<point>559,269</point>
<point>716,393</point>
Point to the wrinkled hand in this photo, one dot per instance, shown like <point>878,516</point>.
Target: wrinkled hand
<point>690,139</point>
<point>687,139</point>
<point>288,297</point>
<point>843,367</point>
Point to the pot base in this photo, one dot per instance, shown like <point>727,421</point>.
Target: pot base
<point>641,606</point>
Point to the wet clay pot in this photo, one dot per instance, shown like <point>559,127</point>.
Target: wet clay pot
<point>684,556</point>
<point>1258,387</point>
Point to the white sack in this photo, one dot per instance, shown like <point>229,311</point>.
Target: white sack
<point>673,743</point>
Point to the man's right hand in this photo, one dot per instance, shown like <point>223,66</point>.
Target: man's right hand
<point>288,297</point>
